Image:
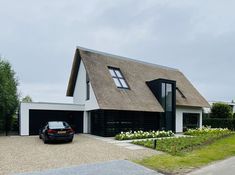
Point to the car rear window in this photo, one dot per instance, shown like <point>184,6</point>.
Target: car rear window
<point>58,125</point>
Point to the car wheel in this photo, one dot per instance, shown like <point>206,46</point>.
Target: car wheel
<point>40,137</point>
<point>45,140</point>
<point>70,140</point>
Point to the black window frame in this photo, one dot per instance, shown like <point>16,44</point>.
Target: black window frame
<point>119,78</point>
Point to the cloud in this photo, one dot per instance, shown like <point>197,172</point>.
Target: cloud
<point>39,39</point>
<point>45,92</point>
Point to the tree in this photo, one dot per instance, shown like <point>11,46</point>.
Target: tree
<point>8,94</point>
<point>27,99</point>
<point>221,110</point>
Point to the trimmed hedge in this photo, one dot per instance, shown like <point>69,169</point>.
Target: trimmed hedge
<point>219,123</point>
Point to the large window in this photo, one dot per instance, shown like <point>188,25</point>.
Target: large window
<point>167,96</point>
<point>118,78</point>
<point>191,120</point>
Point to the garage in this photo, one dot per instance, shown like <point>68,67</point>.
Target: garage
<point>34,115</point>
<point>38,118</point>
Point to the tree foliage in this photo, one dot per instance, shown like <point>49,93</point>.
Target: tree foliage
<point>8,94</point>
<point>221,110</point>
<point>27,99</point>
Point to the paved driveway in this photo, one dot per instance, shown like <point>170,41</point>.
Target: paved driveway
<point>116,167</point>
<point>28,153</point>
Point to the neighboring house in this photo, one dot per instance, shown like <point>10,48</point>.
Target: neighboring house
<point>115,94</point>
<point>208,109</point>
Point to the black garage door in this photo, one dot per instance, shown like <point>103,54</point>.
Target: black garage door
<point>38,118</point>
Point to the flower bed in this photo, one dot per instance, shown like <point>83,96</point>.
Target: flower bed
<point>179,145</point>
<point>143,135</point>
<point>208,130</point>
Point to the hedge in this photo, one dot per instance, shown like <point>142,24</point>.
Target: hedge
<point>219,123</point>
<point>221,110</point>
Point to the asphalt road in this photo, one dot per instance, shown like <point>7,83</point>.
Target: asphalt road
<point>115,167</point>
<point>224,167</point>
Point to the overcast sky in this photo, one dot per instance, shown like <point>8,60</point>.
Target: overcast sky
<point>197,36</point>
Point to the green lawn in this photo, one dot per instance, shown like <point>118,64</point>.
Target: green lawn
<point>167,163</point>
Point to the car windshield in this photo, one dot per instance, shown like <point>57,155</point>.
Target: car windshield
<point>58,125</point>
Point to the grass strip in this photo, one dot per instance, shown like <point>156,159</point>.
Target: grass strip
<point>173,164</point>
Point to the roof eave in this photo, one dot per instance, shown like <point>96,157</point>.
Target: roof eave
<point>73,74</point>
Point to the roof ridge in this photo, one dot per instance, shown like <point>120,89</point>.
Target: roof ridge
<point>126,58</point>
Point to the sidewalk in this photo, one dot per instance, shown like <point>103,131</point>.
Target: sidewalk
<point>116,167</point>
<point>224,167</point>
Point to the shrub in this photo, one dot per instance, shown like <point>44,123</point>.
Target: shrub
<point>221,110</point>
<point>143,135</point>
<point>220,122</point>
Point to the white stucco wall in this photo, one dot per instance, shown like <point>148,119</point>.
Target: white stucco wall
<point>79,96</point>
<point>25,107</point>
<point>86,122</point>
<point>179,116</point>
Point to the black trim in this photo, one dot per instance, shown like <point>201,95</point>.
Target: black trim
<point>180,92</point>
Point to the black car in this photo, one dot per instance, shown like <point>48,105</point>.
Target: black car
<point>56,131</point>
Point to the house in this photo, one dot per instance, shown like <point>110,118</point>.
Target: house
<point>207,110</point>
<point>113,94</point>
<point>123,94</point>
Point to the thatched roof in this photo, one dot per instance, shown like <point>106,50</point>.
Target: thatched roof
<point>139,97</point>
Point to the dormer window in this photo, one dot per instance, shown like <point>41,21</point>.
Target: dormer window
<point>118,78</point>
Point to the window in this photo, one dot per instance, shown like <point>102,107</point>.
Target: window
<point>58,125</point>
<point>87,88</point>
<point>164,95</point>
<point>191,120</point>
<point>118,78</point>
<point>167,96</point>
